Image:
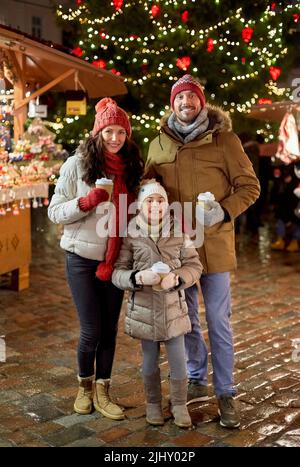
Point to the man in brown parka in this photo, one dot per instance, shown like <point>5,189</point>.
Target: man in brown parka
<point>196,151</point>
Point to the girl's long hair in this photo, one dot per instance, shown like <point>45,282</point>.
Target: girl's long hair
<point>93,162</point>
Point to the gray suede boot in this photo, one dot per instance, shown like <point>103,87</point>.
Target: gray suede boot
<point>154,414</point>
<point>178,396</point>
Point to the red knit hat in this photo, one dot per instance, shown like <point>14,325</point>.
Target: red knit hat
<point>108,113</point>
<point>187,83</point>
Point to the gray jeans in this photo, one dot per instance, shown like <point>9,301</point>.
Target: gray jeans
<point>176,357</point>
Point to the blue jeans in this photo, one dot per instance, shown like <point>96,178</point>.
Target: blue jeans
<point>216,294</point>
<point>281,230</point>
<point>98,306</point>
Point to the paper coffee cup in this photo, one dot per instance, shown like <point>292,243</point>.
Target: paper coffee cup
<point>105,184</point>
<point>162,269</point>
<point>203,198</point>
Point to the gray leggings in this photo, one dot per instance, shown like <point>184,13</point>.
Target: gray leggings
<point>176,357</point>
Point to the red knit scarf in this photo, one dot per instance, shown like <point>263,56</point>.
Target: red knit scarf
<point>114,165</point>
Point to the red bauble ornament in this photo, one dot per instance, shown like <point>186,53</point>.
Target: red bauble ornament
<point>115,72</point>
<point>183,62</point>
<point>155,10</point>
<point>243,59</point>
<point>210,45</point>
<point>185,16</point>
<point>247,34</point>
<point>296,17</point>
<point>79,2</point>
<point>275,72</point>
<point>77,51</point>
<point>264,101</point>
<point>118,4</point>
<point>99,63</point>
<point>273,6</point>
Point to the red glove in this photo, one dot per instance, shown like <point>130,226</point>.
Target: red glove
<point>95,197</point>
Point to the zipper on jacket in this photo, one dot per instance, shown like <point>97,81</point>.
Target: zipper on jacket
<point>132,300</point>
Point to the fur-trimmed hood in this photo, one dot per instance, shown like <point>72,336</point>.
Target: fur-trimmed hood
<point>219,119</point>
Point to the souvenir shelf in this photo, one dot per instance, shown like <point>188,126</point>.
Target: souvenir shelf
<point>25,175</point>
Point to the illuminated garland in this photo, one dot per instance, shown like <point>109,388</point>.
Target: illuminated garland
<point>263,52</point>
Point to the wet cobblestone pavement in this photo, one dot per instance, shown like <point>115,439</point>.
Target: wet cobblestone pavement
<point>38,380</point>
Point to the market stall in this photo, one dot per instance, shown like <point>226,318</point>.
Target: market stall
<point>30,68</point>
<point>287,113</point>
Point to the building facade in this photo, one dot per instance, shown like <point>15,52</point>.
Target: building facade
<point>34,17</point>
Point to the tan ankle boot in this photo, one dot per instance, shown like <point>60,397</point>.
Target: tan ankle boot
<point>102,402</point>
<point>278,245</point>
<point>293,246</point>
<point>84,400</point>
<point>152,385</point>
<point>178,396</point>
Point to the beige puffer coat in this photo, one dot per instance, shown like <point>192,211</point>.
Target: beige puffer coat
<point>152,315</point>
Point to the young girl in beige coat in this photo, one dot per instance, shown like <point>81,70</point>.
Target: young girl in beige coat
<point>156,316</point>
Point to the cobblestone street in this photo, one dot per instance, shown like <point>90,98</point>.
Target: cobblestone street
<point>38,380</point>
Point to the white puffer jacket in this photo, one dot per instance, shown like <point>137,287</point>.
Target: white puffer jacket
<point>80,234</point>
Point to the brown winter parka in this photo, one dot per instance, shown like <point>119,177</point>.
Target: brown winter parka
<point>216,162</point>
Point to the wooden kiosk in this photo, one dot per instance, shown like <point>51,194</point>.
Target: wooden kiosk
<point>31,69</point>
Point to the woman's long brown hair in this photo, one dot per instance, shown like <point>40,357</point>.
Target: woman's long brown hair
<point>93,162</point>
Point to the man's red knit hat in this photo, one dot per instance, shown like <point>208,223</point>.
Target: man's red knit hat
<point>187,83</point>
<point>108,113</point>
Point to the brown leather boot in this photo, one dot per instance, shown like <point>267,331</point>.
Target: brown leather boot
<point>152,385</point>
<point>102,402</point>
<point>178,396</point>
<point>84,400</point>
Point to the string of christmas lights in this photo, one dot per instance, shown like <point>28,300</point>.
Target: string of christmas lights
<point>238,51</point>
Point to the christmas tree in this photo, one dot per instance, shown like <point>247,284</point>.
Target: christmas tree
<point>237,49</point>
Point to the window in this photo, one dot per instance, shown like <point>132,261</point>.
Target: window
<point>36,28</point>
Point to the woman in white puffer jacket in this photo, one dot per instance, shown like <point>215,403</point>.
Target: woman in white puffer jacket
<point>91,251</point>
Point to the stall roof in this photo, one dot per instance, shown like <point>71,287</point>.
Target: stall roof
<point>273,112</point>
<point>43,64</point>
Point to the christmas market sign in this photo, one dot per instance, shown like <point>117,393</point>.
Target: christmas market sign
<point>75,103</point>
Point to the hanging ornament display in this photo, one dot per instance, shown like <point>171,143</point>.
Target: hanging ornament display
<point>210,45</point>
<point>183,62</point>
<point>15,210</point>
<point>99,63</point>
<point>288,146</point>
<point>275,72</point>
<point>77,51</point>
<point>118,4</point>
<point>185,16</point>
<point>155,10</point>
<point>247,34</point>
